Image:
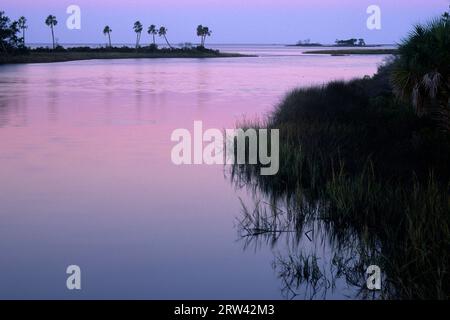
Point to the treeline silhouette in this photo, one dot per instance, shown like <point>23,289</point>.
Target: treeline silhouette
<point>12,37</point>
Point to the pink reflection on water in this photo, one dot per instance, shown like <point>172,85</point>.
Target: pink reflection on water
<point>85,163</point>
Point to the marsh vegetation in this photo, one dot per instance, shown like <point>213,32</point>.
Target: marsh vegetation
<point>363,168</point>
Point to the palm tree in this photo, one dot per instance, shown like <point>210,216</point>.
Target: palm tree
<point>203,32</point>
<point>152,31</point>
<point>421,73</point>
<point>138,29</point>
<point>51,22</point>
<point>107,31</point>
<point>162,33</point>
<point>22,22</point>
<point>200,33</point>
<point>206,33</point>
<point>446,15</point>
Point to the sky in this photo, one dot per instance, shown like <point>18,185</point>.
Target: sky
<point>232,21</point>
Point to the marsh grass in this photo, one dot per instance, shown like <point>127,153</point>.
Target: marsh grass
<point>372,173</point>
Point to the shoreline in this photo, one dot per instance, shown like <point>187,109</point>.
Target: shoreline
<point>51,57</point>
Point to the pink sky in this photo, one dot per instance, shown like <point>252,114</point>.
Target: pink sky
<point>233,21</point>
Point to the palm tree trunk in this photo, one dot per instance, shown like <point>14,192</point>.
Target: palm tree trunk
<point>167,42</point>
<point>154,40</point>
<point>53,37</point>
<point>109,37</point>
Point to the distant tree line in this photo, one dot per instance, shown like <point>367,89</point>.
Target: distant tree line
<point>12,33</point>
<point>308,43</point>
<point>351,42</point>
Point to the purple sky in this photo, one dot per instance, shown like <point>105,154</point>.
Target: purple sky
<point>232,21</point>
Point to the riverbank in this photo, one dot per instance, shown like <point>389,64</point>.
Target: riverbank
<point>367,161</point>
<point>337,52</point>
<point>49,56</point>
<point>375,175</point>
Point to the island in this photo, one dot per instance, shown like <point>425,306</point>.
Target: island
<point>60,54</point>
<point>13,48</point>
<point>305,43</point>
<point>343,52</point>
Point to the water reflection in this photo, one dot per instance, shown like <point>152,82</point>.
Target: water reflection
<point>85,150</point>
<point>314,259</point>
<point>53,98</point>
<point>13,112</point>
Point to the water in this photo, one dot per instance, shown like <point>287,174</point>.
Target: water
<point>87,179</point>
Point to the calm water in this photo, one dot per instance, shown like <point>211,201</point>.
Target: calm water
<point>87,179</point>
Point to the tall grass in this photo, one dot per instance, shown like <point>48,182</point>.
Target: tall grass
<point>379,174</point>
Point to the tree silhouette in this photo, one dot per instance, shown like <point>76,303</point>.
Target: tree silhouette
<point>8,33</point>
<point>162,33</point>
<point>138,29</point>
<point>22,23</point>
<point>203,32</point>
<point>107,31</point>
<point>153,32</point>
<point>51,22</point>
<point>422,73</point>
